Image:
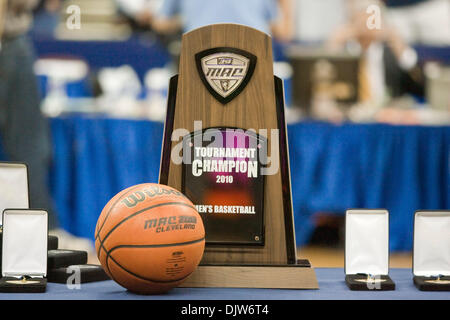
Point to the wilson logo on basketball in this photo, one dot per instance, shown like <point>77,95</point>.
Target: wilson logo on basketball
<point>171,223</point>
<point>139,196</point>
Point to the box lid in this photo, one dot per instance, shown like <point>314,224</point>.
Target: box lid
<point>13,186</point>
<point>24,247</point>
<point>367,241</point>
<point>431,251</point>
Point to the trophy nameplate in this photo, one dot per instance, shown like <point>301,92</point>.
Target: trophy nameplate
<point>225,148</point>
<point>225,184</point>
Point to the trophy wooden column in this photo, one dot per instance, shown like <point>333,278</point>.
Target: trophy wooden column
<point>256,104</point>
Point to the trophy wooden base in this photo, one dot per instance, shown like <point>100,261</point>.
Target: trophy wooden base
<point>296,276</point>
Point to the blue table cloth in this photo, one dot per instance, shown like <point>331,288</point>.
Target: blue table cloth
<point>400,168</point>
<point>331,287</point>
<point>333,167</point>
<point>94,159</point>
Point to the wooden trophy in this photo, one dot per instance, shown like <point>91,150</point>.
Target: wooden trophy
<point>225,147</point>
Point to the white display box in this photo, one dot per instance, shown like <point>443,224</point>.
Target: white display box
<point>431,253</point>
<point>24,247</point>
<point>14,190</point>
<point>24,250</point>
<point>367,250</point>
<point>367,241</point>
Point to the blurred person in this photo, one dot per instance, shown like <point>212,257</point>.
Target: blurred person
<point>269,16</point>
<point>46,17</point>
<point>389,66</point>
<point>24,131</point>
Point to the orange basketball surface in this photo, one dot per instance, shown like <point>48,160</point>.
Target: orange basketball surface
<point>149,238</point>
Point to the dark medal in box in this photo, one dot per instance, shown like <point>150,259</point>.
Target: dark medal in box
<point>63,258</point>
<point>59,264</point>
<point>367,250</point>
<point>431,252</point>
<point>69,266</point>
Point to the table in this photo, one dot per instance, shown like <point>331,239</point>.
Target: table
<point>331,283</point>
<point>140,52</point>
<point>400,168</point>
<point>94,159</point>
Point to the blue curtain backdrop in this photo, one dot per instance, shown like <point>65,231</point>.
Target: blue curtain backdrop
<point>400,168</point>
<point>94,159</point>
<point>333,167</point>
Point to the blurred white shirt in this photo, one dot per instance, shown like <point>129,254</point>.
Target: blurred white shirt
<point>426,23</point>
<point>133,7</point>
<point>315,20</point>
<point>374,57</point>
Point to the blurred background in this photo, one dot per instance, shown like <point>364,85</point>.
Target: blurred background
<point>83,93</point>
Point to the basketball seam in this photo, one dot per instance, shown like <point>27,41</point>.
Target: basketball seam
<point>110,209</point>
<point>138,246</point>
<point>146,279</point>
<point>107,215</point>
<point>131,216</point>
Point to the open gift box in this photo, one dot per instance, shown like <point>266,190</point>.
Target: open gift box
<point>14,191</point>
<point>431,252</point>
<point>367,250</point>
<point>24,251</point>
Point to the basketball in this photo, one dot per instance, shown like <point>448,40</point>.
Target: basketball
<point>149,238</point>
